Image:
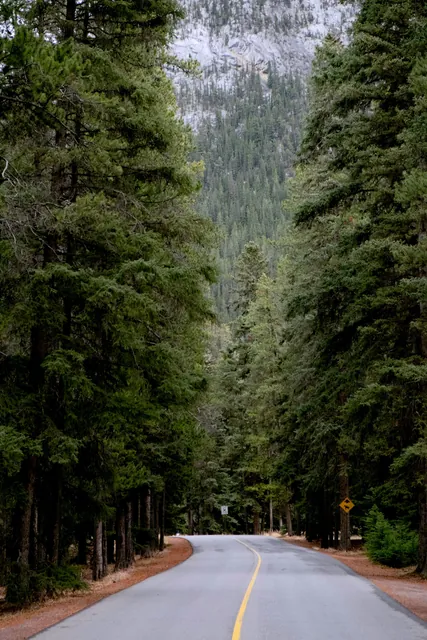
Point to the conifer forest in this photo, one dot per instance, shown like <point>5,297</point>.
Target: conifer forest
<point>233,313</point>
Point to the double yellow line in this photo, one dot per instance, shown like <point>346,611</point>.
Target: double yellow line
<point>239,620</point>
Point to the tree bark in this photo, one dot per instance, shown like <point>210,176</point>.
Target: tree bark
<point>98,564</point>
<point>129,555</point>
<point>422,531</point>
<point>190,522</point>
<point>162,521</point>
<point>324,525</point>
<point>56,525</point>
<point>120,539</point>
<point>110,548</point>
<point>138,511</point>
<point>147,521</point>
<point>297,522</point>
<point>104,550</point>
<point>34,544</point>
<point>345,541</point>
<point>25,529</point>
<point>70,16</point>
<point>256,522</point>
<point>156,526</point>
<point>309,528</point>
<point>271,515</point>
<point>288,514</point>
<point>422,536</point>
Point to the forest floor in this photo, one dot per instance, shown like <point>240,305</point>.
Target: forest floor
<point>403,585</point>
<point>22,624</point>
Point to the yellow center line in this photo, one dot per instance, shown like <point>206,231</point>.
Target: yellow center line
<point>239,620</point>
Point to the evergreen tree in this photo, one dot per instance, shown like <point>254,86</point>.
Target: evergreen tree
<point>103,271</point>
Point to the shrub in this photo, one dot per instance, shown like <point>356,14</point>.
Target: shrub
<point>25,586</point>
<point>392,544</point>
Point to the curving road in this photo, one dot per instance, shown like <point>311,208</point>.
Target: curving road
<point>297,594</point>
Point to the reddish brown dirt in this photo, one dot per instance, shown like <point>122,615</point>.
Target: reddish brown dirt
<point>20,625</point>
<point>404,585</point>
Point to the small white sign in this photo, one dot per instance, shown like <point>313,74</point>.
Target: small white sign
<point>224,511</point>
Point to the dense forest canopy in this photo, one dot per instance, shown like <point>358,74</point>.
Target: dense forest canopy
<point>104,267</point>
<point>125,412</point>
<point>320,393</point>
<point>248,140</point>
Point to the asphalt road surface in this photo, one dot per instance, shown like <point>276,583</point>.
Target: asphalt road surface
<point>275,591</point>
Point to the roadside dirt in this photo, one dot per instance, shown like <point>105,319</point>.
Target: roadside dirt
<point>20,625</point>
<point>404,585</point>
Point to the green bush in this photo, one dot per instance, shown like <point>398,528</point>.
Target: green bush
<point>25,586</point>
<point>394,545</point>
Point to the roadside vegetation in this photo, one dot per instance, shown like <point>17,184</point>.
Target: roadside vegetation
<point>104,274</point>
<point>320,391</point>
<point>123,414</point>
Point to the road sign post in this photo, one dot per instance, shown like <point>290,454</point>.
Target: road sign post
<point>224,513</point>
<point>346,506</point>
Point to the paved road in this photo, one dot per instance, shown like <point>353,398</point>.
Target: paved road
<point>298,594</point>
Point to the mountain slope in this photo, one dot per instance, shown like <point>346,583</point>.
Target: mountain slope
<point>248,107</point>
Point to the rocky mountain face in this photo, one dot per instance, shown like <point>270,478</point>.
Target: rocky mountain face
<point>247,109</point>
<point>227,36</point>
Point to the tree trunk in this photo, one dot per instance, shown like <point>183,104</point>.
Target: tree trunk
<point>138,511</point>
<point>104,550</point>
<point>200,521</point>
<point>288,514</point>
<point>98,564</point>
<point>345,541</point>
<point>162,521</point>
<point>22,582</point>
<point>297,522</point>
<point>324,524</point>
<point>70,16</point>
<point>147,522</point>
<point>56,523</point>
<point>120,539</point>
<point>256,523</point>
<point>156,526</point>
<point>422,536</point>
<point>129,555</point>
<point>25,529</point>
<point>310,533</point>
<point>190,522</point>
<point>271,516</point>
<point>422,532</point>
<point>110,548</point>
<point>34,544</point>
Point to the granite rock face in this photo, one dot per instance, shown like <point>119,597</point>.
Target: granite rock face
<point>228,36</point>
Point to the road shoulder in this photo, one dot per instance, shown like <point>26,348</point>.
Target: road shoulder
<point>403,585</point>
<point>23,624</point>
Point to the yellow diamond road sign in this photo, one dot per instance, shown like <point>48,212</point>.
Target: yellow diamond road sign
<point>347,505</point>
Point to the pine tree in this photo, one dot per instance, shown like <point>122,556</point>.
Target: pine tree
<point>103,269</point>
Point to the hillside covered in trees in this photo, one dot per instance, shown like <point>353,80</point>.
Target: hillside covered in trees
<point>320,394</point>
<point>247,108</point>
